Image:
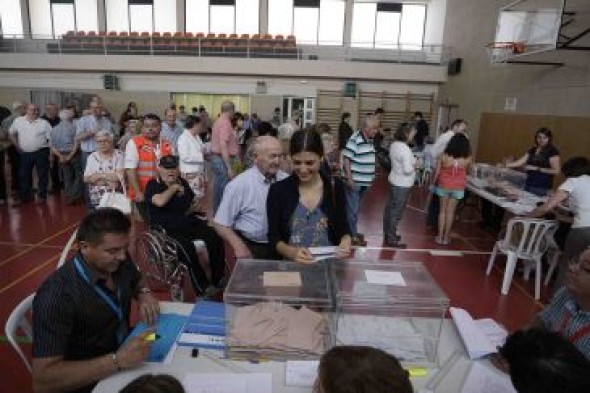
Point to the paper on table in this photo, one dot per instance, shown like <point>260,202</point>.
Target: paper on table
<point>495,333</point>
<point>301,372</point>
<point>317,251</point>
<point>228,383</point>
<point>281,279</point>
<point>482,379</point>
<point>382,277</point>
<point>476,342</point>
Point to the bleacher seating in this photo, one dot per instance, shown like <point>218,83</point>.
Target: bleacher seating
<point>177,43</point>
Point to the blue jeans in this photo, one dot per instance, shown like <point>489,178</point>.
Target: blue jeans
<point>354,197</point>
<point>220,180</point>
<point>39,160</point>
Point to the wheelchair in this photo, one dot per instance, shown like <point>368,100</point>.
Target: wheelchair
<point>159,257</point>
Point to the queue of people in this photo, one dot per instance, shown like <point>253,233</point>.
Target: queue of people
<point>261,212</point>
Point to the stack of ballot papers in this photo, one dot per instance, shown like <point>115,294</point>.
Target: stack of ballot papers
<point>205,327</point>
<point>485,379</point>
<point>481,337</point>
<point>397,336</point>
<point>275,330</point>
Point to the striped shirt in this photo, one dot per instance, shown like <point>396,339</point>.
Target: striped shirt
<point>63,136</point>
<point>562,315</point>
<point>72,321</point>
<point>361,153</point>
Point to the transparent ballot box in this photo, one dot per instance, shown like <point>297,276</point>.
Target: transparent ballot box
<point>502,182</point>
<point>278,310</point>
<point>397,307</point>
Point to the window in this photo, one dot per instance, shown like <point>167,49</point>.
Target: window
<point>222,16</point>
<point>141,16</point>
<point>63,17</point>
<point>164,15</point>
<point>11,18</point>
<point>331,29</point>
<point>388,25</point>
<point>280,17</point>
<point>86,15</point>
<point>40,14</point>
<point>311,21</point>
<point>117,15</point>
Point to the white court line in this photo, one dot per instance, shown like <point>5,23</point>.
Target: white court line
<point>446,253</point>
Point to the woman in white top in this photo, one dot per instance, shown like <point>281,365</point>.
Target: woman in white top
<point>576,190</point>
<point>401,179</point>
<point>191,151</point>
<point>104,168</point>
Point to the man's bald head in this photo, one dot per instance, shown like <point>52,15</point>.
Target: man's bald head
<point>266,152</point>
<point>227,107</point>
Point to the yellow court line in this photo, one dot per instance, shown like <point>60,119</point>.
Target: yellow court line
<point>13,257</point>
<point>29,273</point>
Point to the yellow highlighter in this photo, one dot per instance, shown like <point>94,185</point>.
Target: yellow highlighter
<point>417,371</point>
<point>152,337</point>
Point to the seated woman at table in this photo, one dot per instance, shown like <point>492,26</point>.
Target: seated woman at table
<point>576,190</point>
<point>170,202</point>
<point>541,163</point>
<point>451,177</point>
<point>150,383</point>
<point>306,209</point>
<point>352,369</point>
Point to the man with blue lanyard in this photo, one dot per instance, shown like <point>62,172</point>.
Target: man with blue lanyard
<point>81,312</point>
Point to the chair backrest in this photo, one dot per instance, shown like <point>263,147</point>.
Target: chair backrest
<point>529,236</point>
<point>64,254</point>
<point>18,318</point>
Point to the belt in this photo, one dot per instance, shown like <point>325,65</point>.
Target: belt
<point>243,237</point>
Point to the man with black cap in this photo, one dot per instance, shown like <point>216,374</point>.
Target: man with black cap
<point>170,203</point>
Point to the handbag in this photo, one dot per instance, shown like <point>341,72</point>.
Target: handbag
<point>116,200</point>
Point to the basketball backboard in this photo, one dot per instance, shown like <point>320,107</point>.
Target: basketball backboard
<point>532,26</point>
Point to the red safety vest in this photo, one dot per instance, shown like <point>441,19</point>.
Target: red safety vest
<point>148,160</point>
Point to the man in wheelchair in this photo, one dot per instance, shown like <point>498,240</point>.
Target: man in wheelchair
<point>172,206</point>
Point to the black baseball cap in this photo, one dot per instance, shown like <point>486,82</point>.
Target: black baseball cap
<point>168,162</point>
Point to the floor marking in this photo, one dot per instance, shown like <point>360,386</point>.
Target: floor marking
<point>30,273</point>
<point>5,243</point>
<point>415,208</point>
<point>446,253</point>
<point>13,257</point>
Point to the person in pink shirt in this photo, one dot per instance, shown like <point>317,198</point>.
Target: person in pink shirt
<point>451,177</point>
<point>224,152</point>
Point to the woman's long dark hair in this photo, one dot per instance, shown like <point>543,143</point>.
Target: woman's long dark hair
<point>458,147</point>
<point>306,140</point>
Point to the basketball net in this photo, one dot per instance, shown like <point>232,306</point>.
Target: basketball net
<point>500,52</point>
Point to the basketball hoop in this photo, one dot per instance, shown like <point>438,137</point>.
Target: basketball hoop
<point>501,52</point>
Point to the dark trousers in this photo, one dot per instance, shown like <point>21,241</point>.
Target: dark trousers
<point>258,250</point>
<point>492,215</point>
<point>197,229</point>
<point>14,158</point>
<point>2,176</point>
<point>394,208</point>
<point>433,210</point>
<point>54,170</point>
<point>72,175</point>
<point>38,160</point>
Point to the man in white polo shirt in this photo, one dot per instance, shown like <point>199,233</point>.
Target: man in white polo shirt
<point>30,135</point>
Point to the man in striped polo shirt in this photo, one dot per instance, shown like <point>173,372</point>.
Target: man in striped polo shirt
<point>359,171</point>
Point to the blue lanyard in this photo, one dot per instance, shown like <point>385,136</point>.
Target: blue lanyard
<point>116,308</point>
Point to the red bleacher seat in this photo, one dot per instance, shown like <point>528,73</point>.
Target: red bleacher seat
<point>200,35</point>
<point>245,36</point>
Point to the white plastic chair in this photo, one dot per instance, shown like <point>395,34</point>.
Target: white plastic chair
<point>554,254</point>
<point>64,254</point>
<point>526,238</point>
<point>425,176</point>
<point>18,318</point>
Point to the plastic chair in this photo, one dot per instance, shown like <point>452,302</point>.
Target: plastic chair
<point>425,176</point>
<point>526,238</point>
<point>64,254</point>
<point>18,318</point>
<point>555,254</point>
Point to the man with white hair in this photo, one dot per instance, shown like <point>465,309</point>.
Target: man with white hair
<point>19,108</point>
<point>359,171</point>
<point>30,135</point>
<point>224,151</point>
<point>241,217</point>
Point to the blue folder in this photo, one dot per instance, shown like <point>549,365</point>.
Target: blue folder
<point>168,328</point>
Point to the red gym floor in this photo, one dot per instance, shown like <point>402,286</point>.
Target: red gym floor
<point>32,238</point>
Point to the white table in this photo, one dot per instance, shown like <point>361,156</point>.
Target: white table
<point>210,361</point>
<point>526,203</point>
